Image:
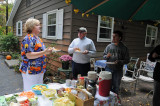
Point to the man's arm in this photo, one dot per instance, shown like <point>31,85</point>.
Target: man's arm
<point>106,55</point>
<point>92,49</point>
<point>71,48</point>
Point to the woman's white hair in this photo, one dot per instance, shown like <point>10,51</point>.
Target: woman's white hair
<point>29,25</point>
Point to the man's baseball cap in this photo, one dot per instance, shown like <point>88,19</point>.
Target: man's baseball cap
<point>82,29</point>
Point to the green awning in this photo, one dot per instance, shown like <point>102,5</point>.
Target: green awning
<point>122,9</point>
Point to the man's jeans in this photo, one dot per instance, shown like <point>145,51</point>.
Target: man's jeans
<point>116,79</point>
<point>156,95</point>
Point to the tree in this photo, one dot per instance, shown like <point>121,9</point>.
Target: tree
<point>3,18</point>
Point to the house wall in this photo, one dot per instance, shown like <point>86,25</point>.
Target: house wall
<point>134,34</point>
<point>37,9</point>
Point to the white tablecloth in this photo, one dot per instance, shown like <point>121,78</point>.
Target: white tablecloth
<point>106,101</point>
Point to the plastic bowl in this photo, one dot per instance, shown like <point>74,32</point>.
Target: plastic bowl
<point>38,92</point>
<point>49,93</point>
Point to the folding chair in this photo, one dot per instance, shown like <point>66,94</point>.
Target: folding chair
<point>130,78</point>
<point>146,72</point>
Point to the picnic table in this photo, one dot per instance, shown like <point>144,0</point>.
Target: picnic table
<point>111,100</point>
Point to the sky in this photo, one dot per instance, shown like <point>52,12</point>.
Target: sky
<point>9,1</point>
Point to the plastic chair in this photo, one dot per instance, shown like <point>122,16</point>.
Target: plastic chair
<point>143,73</point>
<point>92,63</point>
<point>146,72</point>
<point>132,69</point>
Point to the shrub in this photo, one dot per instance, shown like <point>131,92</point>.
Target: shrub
<point>9,43</point>
<point>16,68</point>
<point>15,55</point>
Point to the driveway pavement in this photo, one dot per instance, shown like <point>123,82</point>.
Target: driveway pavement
<point>10,81</point>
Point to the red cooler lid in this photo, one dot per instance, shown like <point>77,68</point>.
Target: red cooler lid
<point>81,78</point>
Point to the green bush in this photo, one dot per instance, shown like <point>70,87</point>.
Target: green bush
<point>15,55</point>
<point>9,43</point>
<point>16,68</point>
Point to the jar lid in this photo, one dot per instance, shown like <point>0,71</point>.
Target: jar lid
<point>81,78</point>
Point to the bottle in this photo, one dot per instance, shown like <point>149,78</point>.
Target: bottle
<point>79,75</point>
<point>81,82</point>
<point>78,79</point>
<point>91,87</point>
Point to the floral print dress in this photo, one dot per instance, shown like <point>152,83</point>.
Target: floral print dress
<point>32,43</point>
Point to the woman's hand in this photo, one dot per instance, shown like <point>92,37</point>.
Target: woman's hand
<point>48,50</point>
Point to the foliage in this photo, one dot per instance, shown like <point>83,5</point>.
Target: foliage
<point>48,73</point>
<point>15,55</point>
<point>16,68</point>
<point>3,18</point>
<point>52,57</point>
<point>9,43</point>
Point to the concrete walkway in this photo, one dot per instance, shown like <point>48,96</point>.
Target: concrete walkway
<point>10,81</point>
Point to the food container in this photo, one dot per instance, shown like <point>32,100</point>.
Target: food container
<point>79,101</point>
<point>68,82</point>
<point>63,101</point>
<point>2,101</point>
<point>10,98</point>
<point>33,101</point>
<point>22,101</point>
<point>49,93</point>
<point>38,88</point>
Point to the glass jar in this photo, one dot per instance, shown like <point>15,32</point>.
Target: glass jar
<point>81,81</point>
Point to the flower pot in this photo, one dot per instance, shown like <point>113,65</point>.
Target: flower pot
<point>65,65</point>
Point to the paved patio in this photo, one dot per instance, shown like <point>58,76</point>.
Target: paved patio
<point>10,81</point>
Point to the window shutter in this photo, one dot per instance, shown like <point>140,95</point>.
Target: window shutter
<point>44,28</point>
<point>59,26</point>
<point>16,28</point>
<point>21,28</point>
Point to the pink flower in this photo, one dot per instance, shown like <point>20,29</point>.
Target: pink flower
<point>65,58</point>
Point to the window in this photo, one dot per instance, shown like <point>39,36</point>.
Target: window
<point>53,24</point>
<point>19,28</point>
<point>105,28</point>
<point>151,36</point>
<point>28,3</point>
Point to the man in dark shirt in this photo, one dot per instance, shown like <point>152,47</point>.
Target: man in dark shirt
<point>118,53</point>
<point>154,56</point>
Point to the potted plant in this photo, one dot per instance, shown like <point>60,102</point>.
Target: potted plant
<point>65,59</point>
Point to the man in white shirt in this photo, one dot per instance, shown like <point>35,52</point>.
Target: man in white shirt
<point>82,49</point>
